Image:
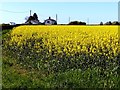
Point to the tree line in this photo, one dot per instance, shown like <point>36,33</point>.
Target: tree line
<point>101,23</point>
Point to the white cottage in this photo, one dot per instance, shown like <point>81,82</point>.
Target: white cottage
<point>50,21</point>
<point>12,23</point>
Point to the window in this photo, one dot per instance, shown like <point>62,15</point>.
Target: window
<point>48,21</point>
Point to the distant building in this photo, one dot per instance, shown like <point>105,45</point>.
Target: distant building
<point>50,21</point>
<point>12,23</point>
<point>32,22</point>
<point>33,19</point>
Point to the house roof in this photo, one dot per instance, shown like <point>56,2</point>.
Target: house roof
<point>32,20</point>
<point>50,19</point>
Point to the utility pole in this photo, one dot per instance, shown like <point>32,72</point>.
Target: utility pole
<point>30,12</point>
<point>56,17</point>
<point>69,19</point>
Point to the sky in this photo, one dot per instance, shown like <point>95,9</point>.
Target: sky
<point>89,12</point>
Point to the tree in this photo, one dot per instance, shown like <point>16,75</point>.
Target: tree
<point>77,23</point>
<point>101,23</point>
<point>82,23</point>
<point>35,16</point>
<point>108,23</point>
<point>115,23</point>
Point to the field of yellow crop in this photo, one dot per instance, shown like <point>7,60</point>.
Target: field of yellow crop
<point>62,48</point>
<point>89,45</point>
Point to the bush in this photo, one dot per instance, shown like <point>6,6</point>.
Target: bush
<point>115,23</point>
<point>112,23</point>
<point>101,23</point>
<point>77,23</point>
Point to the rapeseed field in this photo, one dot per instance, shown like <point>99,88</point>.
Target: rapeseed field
<point>54,49</point>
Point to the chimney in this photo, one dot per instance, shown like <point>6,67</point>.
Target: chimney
<point>49,17</point>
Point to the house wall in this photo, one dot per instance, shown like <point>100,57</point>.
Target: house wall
<point>49,22</point>
<point>34,22</point>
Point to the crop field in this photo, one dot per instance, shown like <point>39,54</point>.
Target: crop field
<point>69,56</point>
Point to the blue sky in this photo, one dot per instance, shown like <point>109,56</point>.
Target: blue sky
<point>80,11</point>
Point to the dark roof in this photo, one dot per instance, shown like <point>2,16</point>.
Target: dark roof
<point>50,19</point>
<point>31,18</point>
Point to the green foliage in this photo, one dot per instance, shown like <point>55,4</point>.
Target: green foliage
<point>89,78</point>
<point>15,76</point>
<point>101,23</point>
<point>26,68</point>
<point>5,32</point>
<point>112,23</point>
<point>77,23</point>
<point>35,16</point>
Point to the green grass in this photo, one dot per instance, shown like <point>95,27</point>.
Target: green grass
<point>15,75</point>
<point>5,32</point>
